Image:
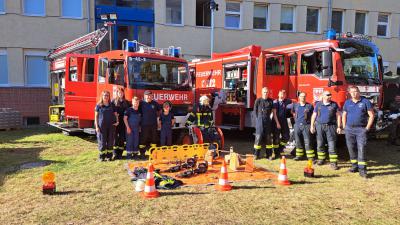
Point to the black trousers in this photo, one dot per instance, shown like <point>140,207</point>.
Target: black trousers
<point>148,137</point>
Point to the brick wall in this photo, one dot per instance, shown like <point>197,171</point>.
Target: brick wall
<point>31,102</point>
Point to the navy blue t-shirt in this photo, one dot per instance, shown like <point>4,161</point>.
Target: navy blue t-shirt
<point>357,112</point>
<point>106,115</point>
<point>281,107</point>
<point>326,113</point>
<point>166,120</point>
<point>149,112</point>
<point>134,117</point>
<point>303,113</point>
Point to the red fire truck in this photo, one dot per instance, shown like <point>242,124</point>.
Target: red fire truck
<point>78,79</point>
<point>312,67</point>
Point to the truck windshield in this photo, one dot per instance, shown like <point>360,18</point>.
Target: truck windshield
<point>147,73</point>
<point>360,64</point>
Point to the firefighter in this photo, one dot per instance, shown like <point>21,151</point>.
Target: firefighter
<point>358,117</point>
<point>203,119</point>
<point>281,132</point>
<point>120,104</point>
<point>132,120</point>
<point>302,112</point>
<point>150,110</point>
<point>165,123</point>
<point>105,120</point>
<point>262,111</point>
<point>325,121</point>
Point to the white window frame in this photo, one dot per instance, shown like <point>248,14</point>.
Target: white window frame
<point>70,17</point>
<point>34,53</point>
<point>29,14</point>
<point>365,24</point>
<point>5,7</point>
<point>318,23</point>
<point>182,16</point>
<point>294,19</point>
<point>234,13</point>
<point>383,23</point>
<point>267,24</point>
<point>4,52</point>
<point>343,12</point>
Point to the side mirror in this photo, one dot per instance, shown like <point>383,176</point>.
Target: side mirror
<point>327,70</point>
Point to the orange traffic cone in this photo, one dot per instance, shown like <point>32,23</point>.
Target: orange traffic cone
<point>150,187</point>
<point>282,177</point>
<point>223,183</point>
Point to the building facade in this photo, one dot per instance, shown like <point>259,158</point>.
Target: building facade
<point>30,28</point>
<point>269,23</point>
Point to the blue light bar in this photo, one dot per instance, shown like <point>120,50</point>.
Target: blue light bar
<point>175,52</point>
<point>131,46</point>
<point>331,34</point>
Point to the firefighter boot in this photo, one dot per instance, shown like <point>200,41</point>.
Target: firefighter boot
<point>256,153</point>
<point>334,166</point>
<point>363,173</point>
<point>102,157</point>
<point>354,168</point>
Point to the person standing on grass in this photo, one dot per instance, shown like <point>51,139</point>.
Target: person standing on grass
<point>280,125</point>
<point>150,110</point>
<point>165,123</point>
<point>105,121</point>
<point>358,117</point>
<point>302,112</point>
<point>132,120</point>
<point>326,114</point>
<point>120,105</point>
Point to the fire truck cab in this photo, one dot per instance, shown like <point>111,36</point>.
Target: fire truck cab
<point>311,67</point>
<point>78,79</point>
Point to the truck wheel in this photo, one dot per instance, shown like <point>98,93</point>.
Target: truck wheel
<point>185,138</point>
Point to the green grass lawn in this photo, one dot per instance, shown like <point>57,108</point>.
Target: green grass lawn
<point>90,192</point>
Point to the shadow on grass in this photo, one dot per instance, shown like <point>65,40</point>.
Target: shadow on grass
<point>325,176</point>
<point>69,192</point>
<point>15,135</point>
<point>174,193</point>
<point>237,187</point>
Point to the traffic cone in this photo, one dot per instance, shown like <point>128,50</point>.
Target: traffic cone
<point>223,183</point>
<point>282,177</point>
<point>150,187</point>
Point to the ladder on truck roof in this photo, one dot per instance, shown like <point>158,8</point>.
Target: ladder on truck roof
<point>85,42</point>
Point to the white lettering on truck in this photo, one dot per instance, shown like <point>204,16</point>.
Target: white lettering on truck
<point>170,97</point>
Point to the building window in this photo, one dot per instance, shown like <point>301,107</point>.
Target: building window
<point>2,6</point>
<point>312,20</point>
<point>34,7</point>
<point>36,70</point>
<point>383,25</point>
<point>203,13</point>
<point>260,18</point>
<point>71,8</point>
<point>397,70</point>
<point>287,18</point>
<point>232,15</point>
<point>145,4</point>
<point>174,12</point>
<point>124,32</point>
<point>385,67</point>
<point>126,3</point>
<point>337,20</point>
<point>360,23</point>
<point>145,35</point>
<point>105,2</point>
<point>3,68</point>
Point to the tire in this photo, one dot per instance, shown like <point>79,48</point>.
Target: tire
<point>184,138</point>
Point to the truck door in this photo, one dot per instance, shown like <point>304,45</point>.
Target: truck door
<point>276,74</point>
<point>80,88</point>
<point>311,79</point>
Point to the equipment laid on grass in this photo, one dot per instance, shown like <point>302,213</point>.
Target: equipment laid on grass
<point>283,177</point>
<point>309,170</point>
<point>223,183</point>
<point>249,163</point>
<point>166,154</point>
<point>150,188</point>
<point>49,185</point>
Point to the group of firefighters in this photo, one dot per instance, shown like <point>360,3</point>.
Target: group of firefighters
<point>325,120</point>
<point>116,121</point>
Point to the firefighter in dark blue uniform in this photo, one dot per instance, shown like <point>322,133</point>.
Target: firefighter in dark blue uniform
<point>358,117</point>
<point>326,122</point>
<point>105,120</point>
<point>120,105</point>
<point>281,133</point>
<point>132,120</point>
<point>166,123</point>
<point>262,111</point>
<point>150,110</point>
<point>302,112</point>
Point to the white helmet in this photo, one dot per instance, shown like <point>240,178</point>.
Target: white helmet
<point>203,98</point>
